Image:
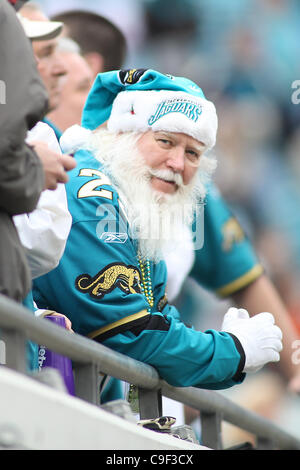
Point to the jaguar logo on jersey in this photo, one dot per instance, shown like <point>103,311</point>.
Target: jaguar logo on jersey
<point>131,76</point>
<point>115,275</point>
<point>232,233</point>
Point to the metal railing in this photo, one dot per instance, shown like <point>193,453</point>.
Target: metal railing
<point>90,359</point>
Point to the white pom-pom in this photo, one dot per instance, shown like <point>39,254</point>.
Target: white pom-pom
<point>74,138</point>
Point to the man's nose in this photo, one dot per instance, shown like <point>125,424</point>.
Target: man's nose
<point>59,68</point>
<point>176,159</point>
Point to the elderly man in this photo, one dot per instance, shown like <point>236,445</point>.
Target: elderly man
<point>50,64</point>
<point>134,192</point>
<point>75,88</point>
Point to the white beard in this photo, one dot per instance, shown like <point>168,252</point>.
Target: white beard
<point>158,221</point>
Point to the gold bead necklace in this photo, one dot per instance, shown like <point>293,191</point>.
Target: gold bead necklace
<point>146,285</point>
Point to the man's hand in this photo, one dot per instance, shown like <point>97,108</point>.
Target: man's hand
<point>47,313</point>
<point>55,165</point>
<point>260,338</point>
<point>67,320</point>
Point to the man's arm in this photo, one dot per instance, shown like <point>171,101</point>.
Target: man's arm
<point>260,296</point>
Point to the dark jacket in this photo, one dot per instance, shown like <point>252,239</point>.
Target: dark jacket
<point>23,102</point>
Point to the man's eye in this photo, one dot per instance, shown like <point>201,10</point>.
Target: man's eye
<point>192,154</point>
<point>164,143</point>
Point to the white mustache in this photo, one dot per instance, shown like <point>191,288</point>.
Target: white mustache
<point>168,175</point>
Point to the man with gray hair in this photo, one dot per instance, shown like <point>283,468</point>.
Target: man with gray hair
<point>135,190</point>
<point>49,62</point>
<point>76,86</point>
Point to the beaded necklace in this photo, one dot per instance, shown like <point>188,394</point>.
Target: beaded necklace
<point>146,285</point>
<point>146,288</point>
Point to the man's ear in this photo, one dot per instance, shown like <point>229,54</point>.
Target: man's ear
<point>95,61</point>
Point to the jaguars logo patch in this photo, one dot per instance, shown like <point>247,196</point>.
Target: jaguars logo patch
<point>131,76</point>
<point>115,275</point>
<point>232,233</point>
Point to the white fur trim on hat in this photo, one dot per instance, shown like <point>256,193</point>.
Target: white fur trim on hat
<point>165,110</point>
<point>73,138</point>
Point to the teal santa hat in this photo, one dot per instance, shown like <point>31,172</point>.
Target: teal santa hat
<point>139,100</point>
<point>143,99</point>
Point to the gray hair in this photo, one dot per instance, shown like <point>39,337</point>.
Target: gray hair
<point>68,45</point>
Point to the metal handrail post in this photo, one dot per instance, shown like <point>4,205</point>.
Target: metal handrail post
<point>150,403</point>
<point>87,379</point>
<point>211,433</point>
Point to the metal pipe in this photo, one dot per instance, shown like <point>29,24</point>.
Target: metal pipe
<point>85,351</point>
<point>77,347</point>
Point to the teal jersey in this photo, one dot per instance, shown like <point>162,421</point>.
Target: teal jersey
<point>116,299</point>
<point>227,261</point>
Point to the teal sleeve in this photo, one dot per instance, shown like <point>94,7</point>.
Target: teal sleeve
<point>183,356</point>
<point>227,261</point>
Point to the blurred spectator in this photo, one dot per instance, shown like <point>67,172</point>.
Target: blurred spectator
<point>92,44</point>
<point>127,15</point>
<point>102,44</point>
<point>171,29</point>
<point>50,64</point>
<point>43,233</point>
<point>21,172</point>
<point>76,86</point>
<point>23,177</point>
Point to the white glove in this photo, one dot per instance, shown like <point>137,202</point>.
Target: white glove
<point>258,335</point>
